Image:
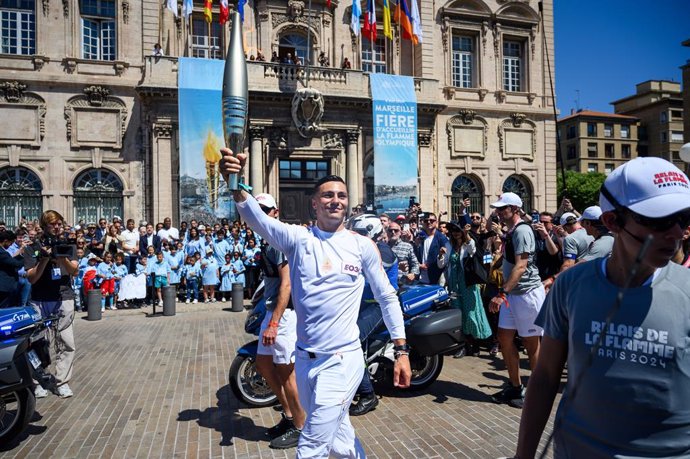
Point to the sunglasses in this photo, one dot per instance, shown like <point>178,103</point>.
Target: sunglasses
<point>476,217</point>
<point>391,230</point>
<point>429,220</point>
<point>681,218</point>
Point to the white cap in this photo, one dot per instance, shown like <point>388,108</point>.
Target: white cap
<point>566,216</point>
<point>649,186</point>
<point>508,199</point>
<point>116,217</point>
<point>201,227</point>
<point>266,200</point>
<point>591,213</point>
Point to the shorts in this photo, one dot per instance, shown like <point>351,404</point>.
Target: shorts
<point>283,350</point>
<point>107,287</point>
<point>160,281</point>
<point>522,311</point>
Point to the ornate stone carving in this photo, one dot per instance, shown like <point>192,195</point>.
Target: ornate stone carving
<point>467,115</point>
<point>307,111</point>
<point>497,38</point>
<point>533,39</point>
<point>485,34</point>
<point>295,9</point>
<point>518,119</point>
<point>65,8</point>
<point>531,96</point>
<point>352,136</point>
<point>256,132</point>
<point>500,96</point>
<point>70,64</point>
<point>120,67</point>
<point>353,39</point>
<point>263,14</point>
<point>424,139</point>
<point>445,32</point>
<point>278,139</point>
<point>13,91</point>
<point>46,7</point>
<point>162,131</point>
<point>125,11</point>
<point>39,62</point>
<point>96,95</point>
<point>332,140</point>
<point>482,94</point>
<point>450,91</point>
<point>178,26</point>
<point>327,19</point>
<point>278,19</point>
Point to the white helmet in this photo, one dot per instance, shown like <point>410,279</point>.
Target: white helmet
<point>367,225</point>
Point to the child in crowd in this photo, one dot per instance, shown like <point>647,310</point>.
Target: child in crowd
<point>160,272</point>
<point>238,268</point>
<point>120,270</point>
<point>78,280</point>
<point>143,268</point>
<point>176,261</point>
<point>107,278</point>
<point>192,272</point>
<point>209,276</point>
<point>89,279</point>
<point>227,278</point>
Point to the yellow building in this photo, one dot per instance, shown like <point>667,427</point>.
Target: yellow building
<point>94,113</point>
<point>596,141</point>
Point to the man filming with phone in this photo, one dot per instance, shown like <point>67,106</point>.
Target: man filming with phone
<point>49,263</point>
<point>621,324</point>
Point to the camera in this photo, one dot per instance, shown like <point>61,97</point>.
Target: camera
<point>494,218</point>
<point>58,248</point>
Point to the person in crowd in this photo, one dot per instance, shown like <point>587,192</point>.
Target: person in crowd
<point>113,240</point>
<point>150,239</point>
<point>106,278</point>
<point>576,242</point>
<point>603,238</point>
<point>519,300</point>
<point>94,243</point>
<point>159,270</point>
<point>89,276</point>
<point>430,250</point>
<point>102,229</point>
<point>323,59</point>
<point>51,293</point>
<point>209,276</point>
<point>274,57</point>
<point>346,64</point>
<point>130,244</point>
<point>221,247</point>
<point>549,254</point>
<point>227,278</point>
<point>238,268</point>
<point>195,243</point>
<point>168,232</point>
<point>142,268</point>
<point>328,365</point>
<point>77,281</point>
<point>408,265</point>
<point>475,325</point>
<point>635,296</point>
<point>192,274</point>
<point>682,256</point>
<point>175,259</point>
<point>251,257</point>
<point>493,286</point>
<point>120,270</point>
<point>157,50</point>
<point>260,56</point>
<point>10,264</point>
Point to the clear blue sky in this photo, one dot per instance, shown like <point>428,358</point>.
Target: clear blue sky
<point>605,47</point>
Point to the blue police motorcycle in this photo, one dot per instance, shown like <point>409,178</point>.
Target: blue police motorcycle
<point>432,328</point>
<point>24,354</point>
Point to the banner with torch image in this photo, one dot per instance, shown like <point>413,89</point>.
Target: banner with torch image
<point>203,192</point>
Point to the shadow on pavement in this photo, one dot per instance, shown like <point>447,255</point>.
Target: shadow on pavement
<point>224,418</point>
<point>442,390</point>
<point>29,431</point>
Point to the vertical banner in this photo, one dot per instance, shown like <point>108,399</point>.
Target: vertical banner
<point>203,192</point>
<point>395,142</point>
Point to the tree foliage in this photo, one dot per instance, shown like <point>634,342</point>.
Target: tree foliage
<point>582,189</point>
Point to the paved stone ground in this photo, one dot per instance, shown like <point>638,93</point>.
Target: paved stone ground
<point>158,387</point>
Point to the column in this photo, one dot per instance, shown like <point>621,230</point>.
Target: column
<point>353,173</point>
<point>161,171</point>
<point>256,158</point>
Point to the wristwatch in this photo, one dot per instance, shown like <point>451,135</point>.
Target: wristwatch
<point>401,350</point>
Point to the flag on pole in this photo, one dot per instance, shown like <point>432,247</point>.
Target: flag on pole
<point>187,7</point>
<point>387,31</point>
<point>207,11</point>
<point>240,8</point>
<point>402,17</point>
<point>416,23</point>
<point>369,29</point>
<point>172,6</point>
<point>224,12</point>
<point>328,4</point>
<point>356,14</point>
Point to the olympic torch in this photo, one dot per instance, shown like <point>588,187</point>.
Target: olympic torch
<point>235,95</point>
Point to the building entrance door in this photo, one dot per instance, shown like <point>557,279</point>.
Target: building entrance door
<point>297,180</point>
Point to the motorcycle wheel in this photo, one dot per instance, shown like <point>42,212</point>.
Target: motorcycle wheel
<point>425,370</point>
<point>248,385</point>
<point>16,410</point>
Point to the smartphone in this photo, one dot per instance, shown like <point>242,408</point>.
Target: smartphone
<point>535,216</point>
<point>465,196</point>
<point>406,227</point>
<point>494,219</point>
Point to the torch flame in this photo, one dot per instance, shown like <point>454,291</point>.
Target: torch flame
<point>212,148</point>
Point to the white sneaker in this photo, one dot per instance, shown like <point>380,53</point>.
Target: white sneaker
<point>102,308</point>
<point>213,300</point>
<point>40,392</point>
<point>222,300</point>
<point>64,391</point>
<point>195,301</point>
<point>113,307</point>
<point>187,301</point>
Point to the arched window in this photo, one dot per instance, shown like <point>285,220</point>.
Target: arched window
<point>20,195</point>
<point>521,187</point>
<point>97,194</point>
<point>465,185</point>
<point>294,45</point>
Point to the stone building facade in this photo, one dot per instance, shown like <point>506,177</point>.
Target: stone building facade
<point>96,119</point>
<point>596,141</point>
<point>659,106</point>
